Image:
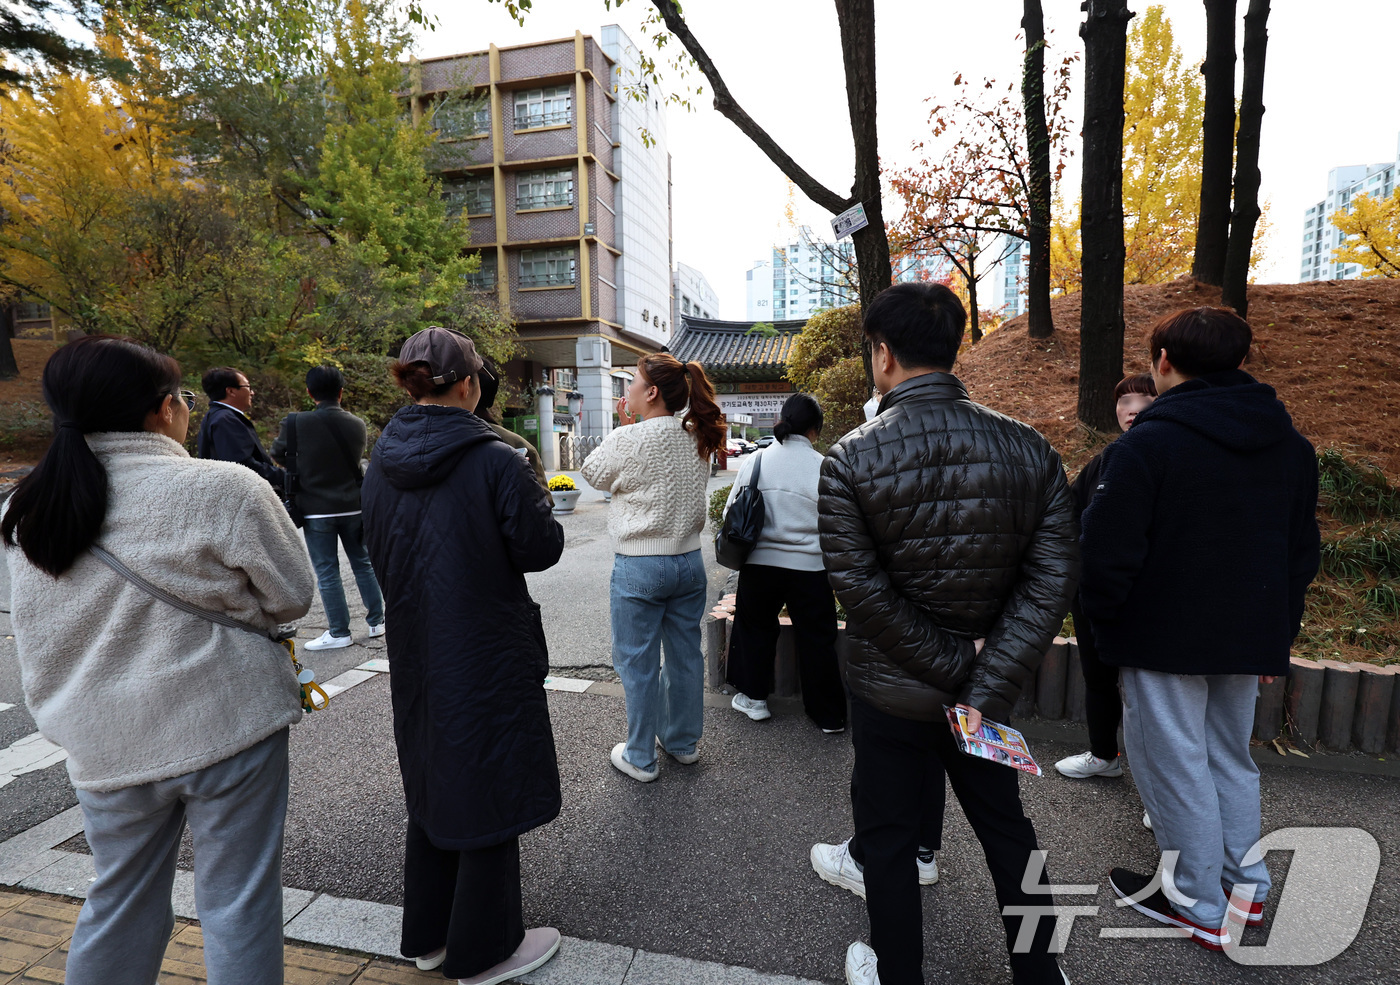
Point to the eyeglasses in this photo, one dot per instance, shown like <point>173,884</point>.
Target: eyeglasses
<point>188,397</point>
<point>242,386</point>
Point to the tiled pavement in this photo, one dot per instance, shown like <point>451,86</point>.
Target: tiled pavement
<point>35,929</point>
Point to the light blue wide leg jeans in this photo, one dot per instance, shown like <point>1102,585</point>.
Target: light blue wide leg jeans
<point>657,604</point>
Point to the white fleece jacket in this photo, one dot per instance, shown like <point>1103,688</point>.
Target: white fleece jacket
<point>788,481</point>
<point>134,689</point>
<point>657,479</point>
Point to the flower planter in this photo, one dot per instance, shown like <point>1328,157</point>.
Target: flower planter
<point>566,500</point>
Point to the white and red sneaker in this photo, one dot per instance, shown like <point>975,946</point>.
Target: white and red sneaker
<point>1144,894</point>
<point>1251,913</point>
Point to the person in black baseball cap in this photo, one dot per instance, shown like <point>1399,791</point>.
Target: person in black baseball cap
<point>453,520</point>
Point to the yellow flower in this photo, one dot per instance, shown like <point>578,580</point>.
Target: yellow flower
<point>562,483</point>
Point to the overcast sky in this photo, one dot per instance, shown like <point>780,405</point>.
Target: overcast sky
<point>1328,93</point>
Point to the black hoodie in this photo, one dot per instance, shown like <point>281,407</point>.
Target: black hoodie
<point>453,520</point>
<point>1202,537</point>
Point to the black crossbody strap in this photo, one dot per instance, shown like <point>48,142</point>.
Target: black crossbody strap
<point>164,596</point>
<point>291,456</point>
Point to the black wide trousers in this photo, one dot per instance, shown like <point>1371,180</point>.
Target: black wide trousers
<point>753,644</point>
<point>1103,705</point>
<point>467,901</point>
<point>892,769</point>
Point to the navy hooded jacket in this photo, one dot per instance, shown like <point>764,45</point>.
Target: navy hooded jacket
<point>453,519</point>
<point>1202,537</point>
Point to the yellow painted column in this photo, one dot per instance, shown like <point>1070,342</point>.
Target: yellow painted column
<point>585,264</point>
<point>498,179</point>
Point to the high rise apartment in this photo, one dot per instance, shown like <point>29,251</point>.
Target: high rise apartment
<point>568,203</point>
<point>1320,237</point>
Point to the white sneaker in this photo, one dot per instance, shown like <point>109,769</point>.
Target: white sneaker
<point>376,630</point>
<point>328,642</point>
<point>684,758</point>
<point>1087,764</point>
<point>636,773</point>
<point>757,710</point>
<point>431,960</point>
<point>928,871</point>
<point>834,864</point>
<point>862,967</point>
<point>1147,820</point>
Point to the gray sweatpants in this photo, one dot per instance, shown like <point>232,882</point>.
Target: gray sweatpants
<point>236,811</point>
<point>1188,745</point>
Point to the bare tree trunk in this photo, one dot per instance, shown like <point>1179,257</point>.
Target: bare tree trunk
<point>9,368</point>
<point>1040,325</point>
<point>974,327</point>
<point>1247,178</point>
<point>1218,143</point>
<point>1105,33</point>
<point>872,245</point>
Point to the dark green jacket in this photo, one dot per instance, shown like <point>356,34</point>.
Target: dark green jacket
<point>328,479</point>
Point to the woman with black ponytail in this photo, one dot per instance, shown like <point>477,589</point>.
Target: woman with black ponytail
<point>785,568</point>
<point>167,717</point>
<point>657,468</point>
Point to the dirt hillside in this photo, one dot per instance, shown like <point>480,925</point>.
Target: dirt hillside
<point>1331,349</point>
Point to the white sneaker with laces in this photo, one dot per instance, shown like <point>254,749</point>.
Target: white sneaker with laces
<point>834,864</point>
<point>928,871</point>
<point>757,710</point>
<point>328,642</point>
<point>635,772</point>
<point>1087,764</point>
<point>376,630</point>
<point>431,960</point>
<point>862,967</point>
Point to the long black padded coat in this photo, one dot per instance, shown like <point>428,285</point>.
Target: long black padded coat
<point>453,519</point>
<point>942,522</point>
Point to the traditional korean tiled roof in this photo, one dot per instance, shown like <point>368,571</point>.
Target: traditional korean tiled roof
<point>731,351</point>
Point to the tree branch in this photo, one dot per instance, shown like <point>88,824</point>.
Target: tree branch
<point>728,107</point>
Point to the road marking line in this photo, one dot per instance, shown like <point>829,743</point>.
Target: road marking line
<point>574,684</point>
<point>347,680</point>
<point>26,755</point>
<point>375,666</point>
<point>5,706</point>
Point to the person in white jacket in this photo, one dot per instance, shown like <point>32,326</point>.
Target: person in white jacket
<point>785,569</point>
<point>167,718</point>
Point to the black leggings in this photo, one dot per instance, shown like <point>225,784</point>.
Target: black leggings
<point>1103,707</point>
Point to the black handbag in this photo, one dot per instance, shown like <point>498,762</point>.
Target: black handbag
<point>742,524</point>
<point>289,477</point>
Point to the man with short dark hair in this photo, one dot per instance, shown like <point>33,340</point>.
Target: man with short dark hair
<point>949,535</point>
<point>329,443</point>
<point>227,433</point>
<point>1199,545</point>
<point>490,377</point>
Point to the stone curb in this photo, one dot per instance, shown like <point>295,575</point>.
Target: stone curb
<point>1328,705</point>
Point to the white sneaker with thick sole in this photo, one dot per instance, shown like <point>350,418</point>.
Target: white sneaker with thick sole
<point>834,864</point>
<point>328,642</point>
<point>635,772</point>
<point>757,710</point>
<point>1147,820</point>
<point>928,871</point>
<point>540,944</point>
<point>376,630</point>
<point>862,967</point>
<point>1086,764</point>
<point>684,758</point>
<point>431,960</point>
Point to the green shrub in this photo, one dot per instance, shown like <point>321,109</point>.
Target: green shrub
<point>1353,490</point>
<point>717,500</point>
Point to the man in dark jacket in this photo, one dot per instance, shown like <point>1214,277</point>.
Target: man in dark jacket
<point>330,441</point>
<point>949,536</point>
<point>1198,547</point>
<point>227,433</point>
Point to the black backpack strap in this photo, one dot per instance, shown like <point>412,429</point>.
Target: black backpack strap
<point>290,482</point>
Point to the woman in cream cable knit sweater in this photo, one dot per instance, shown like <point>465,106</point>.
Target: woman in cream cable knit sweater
<point>167,717</point>
<point>656,468</point>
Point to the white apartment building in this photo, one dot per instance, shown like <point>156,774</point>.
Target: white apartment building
<point>1320,237</point>
<point>1005,283</point>
<point>691,294</point>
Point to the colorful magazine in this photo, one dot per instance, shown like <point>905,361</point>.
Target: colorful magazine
<point>999,743</point>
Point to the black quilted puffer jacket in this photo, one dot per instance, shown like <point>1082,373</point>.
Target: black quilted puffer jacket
<point>943,522</point>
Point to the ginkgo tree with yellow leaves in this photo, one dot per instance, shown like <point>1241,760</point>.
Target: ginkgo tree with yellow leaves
<point>1372,230</point>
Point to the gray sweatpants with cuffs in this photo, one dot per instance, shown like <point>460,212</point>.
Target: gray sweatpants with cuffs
<point>237,811</point>
<point>1187,740</point>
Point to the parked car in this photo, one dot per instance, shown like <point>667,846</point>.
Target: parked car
<point>765,441</point>
<point>747,445</point>
<point>732,447</point>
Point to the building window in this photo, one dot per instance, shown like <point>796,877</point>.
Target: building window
<point>685,304</point>
<point>563,380</point>
<point>544,189</point>
<point>547,268</point>
<point>32,311</point>
<point>544,107</point>
<point>468,196</point>
<point>484,277</point>
<point>619,387</point>
<point>455,117</point>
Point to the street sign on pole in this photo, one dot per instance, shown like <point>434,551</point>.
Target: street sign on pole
<point>850,221</point>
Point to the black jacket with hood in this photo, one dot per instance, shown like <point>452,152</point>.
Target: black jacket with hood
<point>1202,536</point>
<point>453,520</point>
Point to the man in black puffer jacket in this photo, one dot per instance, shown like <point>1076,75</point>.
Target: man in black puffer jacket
<point>949,535</point>
<point>1198,547</point>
